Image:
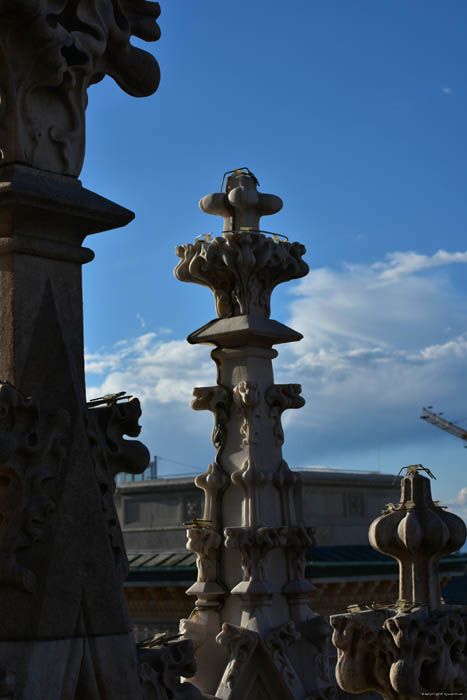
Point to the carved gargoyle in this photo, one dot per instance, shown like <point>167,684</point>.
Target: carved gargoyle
<point>50,52</point>
<point>161,668</point>
<point>112,454</point>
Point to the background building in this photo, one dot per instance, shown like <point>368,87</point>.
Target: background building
<point>344,567</point>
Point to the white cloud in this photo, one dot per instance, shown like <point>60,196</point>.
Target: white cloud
<point>446,90</point>
<point>399,264</point>
<point>156,371</point>
<point>380,341</point>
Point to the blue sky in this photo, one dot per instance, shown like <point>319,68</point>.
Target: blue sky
<point>354,113</point>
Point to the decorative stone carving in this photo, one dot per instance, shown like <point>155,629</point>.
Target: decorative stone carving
<point>241,269</point>
<point>299,539</point>
<point>279,398</point>
<point>277,643</point>
<point>50,52</point>
<point>285,480</point>
<point>31,453</point>
<point>241,643</point>
<point>246,396</point>
<point>254,545</point>
<point>203,541</point>
<point>192,508</point>
<point>417,533</point>
<point>241,205</point>
<point>217,400</point>
<point>162,668</point>
<point>417,645</point>
<point>251,479</point>
<point>112,454</point>
<point>212,482</point>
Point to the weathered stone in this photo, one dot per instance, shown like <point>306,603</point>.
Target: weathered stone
<point>50,52</point>
<point>65,629</point>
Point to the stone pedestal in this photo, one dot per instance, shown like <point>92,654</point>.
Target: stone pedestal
<point>254,633</point>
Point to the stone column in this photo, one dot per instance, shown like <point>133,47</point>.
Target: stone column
<point>65,633</point>
<point>254,633</point>
<point>417,646</point>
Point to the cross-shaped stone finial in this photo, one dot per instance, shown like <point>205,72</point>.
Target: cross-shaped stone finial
<point>241,205</point>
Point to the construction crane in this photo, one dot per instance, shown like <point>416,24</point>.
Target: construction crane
<point>435,419</point>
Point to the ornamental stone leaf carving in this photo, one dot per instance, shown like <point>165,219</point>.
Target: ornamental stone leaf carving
<point>50,52</point>
<point>241,269</point>
<point>254,545</point>
<point>402,655</point>
<point>31,454</point>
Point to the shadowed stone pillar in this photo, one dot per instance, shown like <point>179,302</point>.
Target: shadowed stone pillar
<point>417,646</point>
<point>254,633</point>
<point>65,633</point>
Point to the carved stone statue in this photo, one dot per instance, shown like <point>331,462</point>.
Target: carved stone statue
<point>50,52</point>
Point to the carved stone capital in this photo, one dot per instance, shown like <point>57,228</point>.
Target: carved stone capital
<point>241,269</point>
<point>402,655</point>
<point>279,398</point>
<point>50,52</point>
<point>254,545</point>
<point>216,399</point>
<point>31,454</point>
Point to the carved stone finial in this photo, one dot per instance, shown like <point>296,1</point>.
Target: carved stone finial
<point>50,52</point>
<point>241,205</point>
<point>242,267</point>
<point>416,646</point>
<point>418,533</point>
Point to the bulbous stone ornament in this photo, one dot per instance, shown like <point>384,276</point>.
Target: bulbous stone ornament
<point>417,646</point>
<point>51,51</point>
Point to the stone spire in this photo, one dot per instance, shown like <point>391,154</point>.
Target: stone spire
<point>65,628</point>
<point>254,633</point>
<point>417,645</point>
